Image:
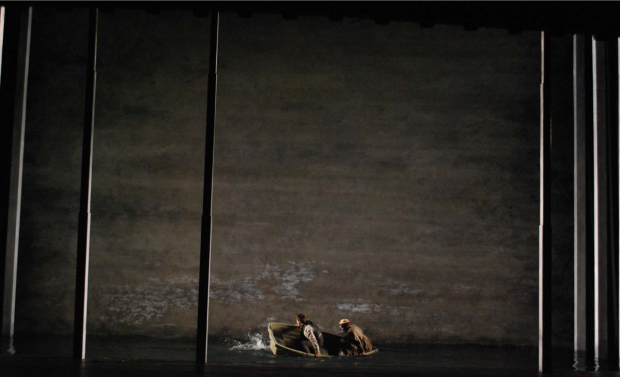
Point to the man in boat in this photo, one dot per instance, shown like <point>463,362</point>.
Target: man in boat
<point>310,334</point>
<point>354,342</point>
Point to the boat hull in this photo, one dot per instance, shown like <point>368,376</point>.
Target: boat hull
<point>284,340</point>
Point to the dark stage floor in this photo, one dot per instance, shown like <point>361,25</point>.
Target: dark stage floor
<point>148,357</point>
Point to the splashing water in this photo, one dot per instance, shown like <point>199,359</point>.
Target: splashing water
<point>11,349</point>
<point>256,342</point>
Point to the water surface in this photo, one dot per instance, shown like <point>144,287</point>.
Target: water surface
<point>254,350</point>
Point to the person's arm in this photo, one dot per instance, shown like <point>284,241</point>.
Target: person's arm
<point>309,333</point>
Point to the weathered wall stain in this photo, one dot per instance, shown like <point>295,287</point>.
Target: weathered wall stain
<point>235,291</point>
<point>289,277</point>
<point>276,281</point>
<point>358,307</point>
<point>135,305</point>
<point>399,288</point>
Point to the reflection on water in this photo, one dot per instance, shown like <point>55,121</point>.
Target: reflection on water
<point>11,347</point>
<point>254,350</point>
<point>585,362</point>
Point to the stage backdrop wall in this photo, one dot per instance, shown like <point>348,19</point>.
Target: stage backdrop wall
<point>385,174</point>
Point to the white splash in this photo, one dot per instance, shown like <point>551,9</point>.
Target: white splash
<point>256,342</point>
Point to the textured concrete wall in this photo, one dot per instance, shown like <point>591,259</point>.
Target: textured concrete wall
<point>562,190</point>
<point>388,174</point>
<point>51,177</point>
<point>148,167</point>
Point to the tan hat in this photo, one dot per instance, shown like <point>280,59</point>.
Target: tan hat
<point>343,321</point>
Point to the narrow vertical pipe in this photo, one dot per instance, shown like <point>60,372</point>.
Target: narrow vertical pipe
<point>544,290</point>
<point>19,133</point>
<point>16,46</point>
<point>578,195</point>
<point>1,38</point>
<point>601,218</point>
<point>583,202</point>
<point>4,205</point>
<point>611,98</point>
<point>207,220</point>
<point>81,285</point>
<point>590,354</point>
<point>616,68</point>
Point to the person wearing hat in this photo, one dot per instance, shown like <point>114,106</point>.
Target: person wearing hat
<point>310,335</point>
<point>354,342</point>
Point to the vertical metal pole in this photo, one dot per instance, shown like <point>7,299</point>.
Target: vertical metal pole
<point>590,206</point>
<point>205,240</point>
<point>616,68</point>
<point>601,239</point>
<point>14,94</point>
<point>2,11</point>
<point>81,285</point>
<point>583,199</point>
<point>579,201</point>
<point>544,289</point>
<point>6,171</point>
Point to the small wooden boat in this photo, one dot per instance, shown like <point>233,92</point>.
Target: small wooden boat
<point>284,340</point>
